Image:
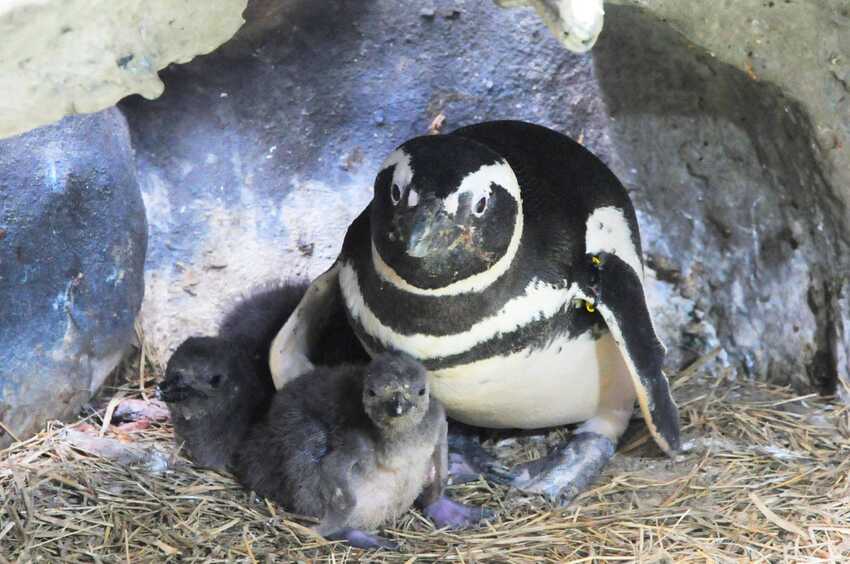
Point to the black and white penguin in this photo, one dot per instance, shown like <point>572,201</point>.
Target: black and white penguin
<point>506,258</point>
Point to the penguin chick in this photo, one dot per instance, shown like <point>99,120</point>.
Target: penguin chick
<point>254,321</point>
<point>214,393</point>
<point>216,386</point>
<point>354,446</point>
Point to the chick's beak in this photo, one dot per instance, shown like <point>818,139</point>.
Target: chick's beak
<point>398,406</point>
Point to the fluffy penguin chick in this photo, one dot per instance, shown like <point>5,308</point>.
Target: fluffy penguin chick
<point>214,394</point>
<point>354,446</point>
<point>215,387</point>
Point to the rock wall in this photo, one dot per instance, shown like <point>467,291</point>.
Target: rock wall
<point>72,249</point>
<point>740,217</point>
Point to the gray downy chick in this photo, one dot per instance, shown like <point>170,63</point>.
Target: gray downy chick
<point>214,394</point>
<point>215,387</point>
<point>355,446</point>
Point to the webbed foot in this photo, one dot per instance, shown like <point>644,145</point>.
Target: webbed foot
<point>448,513</point>
<point>468,460</point>
<point>569,470</point>
<point>361,539</point>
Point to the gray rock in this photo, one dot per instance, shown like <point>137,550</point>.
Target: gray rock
<point>72,247</point>
<point>737,208</point>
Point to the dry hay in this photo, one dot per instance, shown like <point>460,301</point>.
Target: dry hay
<point>765,478</point>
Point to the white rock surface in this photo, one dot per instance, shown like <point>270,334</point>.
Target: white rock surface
<point>63,57</point>
<point>576,23</point>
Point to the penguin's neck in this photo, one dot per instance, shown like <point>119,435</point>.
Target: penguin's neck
<point>395,445</point>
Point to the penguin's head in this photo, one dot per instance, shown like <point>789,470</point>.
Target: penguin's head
<point>396,395</point>
<point>446,214</point>
<point>206,376</point>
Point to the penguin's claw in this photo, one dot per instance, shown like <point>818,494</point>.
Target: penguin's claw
<point>468,461</point>
<point>568,471</point>
<point>361,539</point>
<point>448,513</point>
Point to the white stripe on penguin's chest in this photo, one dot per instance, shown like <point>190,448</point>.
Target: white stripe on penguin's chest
<point>532,388</point>
<point>529,389</point>
<point>539,301</point>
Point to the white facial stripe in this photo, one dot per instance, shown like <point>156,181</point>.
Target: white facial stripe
<point>403,171</point>
<point>478,184</point>
<point>412,198</point>
<point>540,300</point>
<point>608,231</point>
<point>501,174</point>
<point>474,283</point>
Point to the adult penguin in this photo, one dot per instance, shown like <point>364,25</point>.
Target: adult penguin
<point>506,258</point>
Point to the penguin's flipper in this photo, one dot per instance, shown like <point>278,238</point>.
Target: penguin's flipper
<point>290,350</point>
<point>616,291</point>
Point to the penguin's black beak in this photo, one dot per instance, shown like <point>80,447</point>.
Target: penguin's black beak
<point>173,389</point>
<point>398,406</point>
<point>432,231</point>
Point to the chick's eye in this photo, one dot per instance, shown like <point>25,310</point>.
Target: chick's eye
<point>395,193</point>
<point>215,380</point>
<point>372,393</point>
<point>421,391</point>
<point>480,206</point>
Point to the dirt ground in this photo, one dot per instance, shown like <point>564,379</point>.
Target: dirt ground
<point>763,478</point>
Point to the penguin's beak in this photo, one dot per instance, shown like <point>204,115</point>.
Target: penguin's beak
<point>398,406</point>
<point>174,389</point>
<point>432,231</point>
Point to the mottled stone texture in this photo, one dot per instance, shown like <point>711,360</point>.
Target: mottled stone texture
<point>62,57</point>
<point>72,249</point>
<point>738,212</point>
<point>258,156</point>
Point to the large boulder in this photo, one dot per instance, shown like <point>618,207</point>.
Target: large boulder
<point>72,249</point>
<point>62,57</point>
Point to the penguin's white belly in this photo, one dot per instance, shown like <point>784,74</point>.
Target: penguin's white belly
<point>530,389</point>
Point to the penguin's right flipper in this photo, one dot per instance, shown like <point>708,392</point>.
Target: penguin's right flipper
<point>290,350</point>
<point>617,293</point>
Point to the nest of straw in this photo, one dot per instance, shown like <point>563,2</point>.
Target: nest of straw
<point>764,477</point>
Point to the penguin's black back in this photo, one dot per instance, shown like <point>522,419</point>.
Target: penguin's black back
<point>562,183</point>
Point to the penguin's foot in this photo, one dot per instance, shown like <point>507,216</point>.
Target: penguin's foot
<point>568,471</point>
<point>361,539</point>
<point>468,461</point>
<point>447,513</point>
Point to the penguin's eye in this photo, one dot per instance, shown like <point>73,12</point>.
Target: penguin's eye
<point>215,380</point>
<point>480,206</point>
<point>422,391</point>
<point>395,193</point>
<point>372,393</point>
